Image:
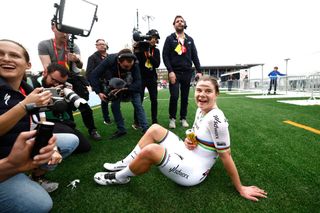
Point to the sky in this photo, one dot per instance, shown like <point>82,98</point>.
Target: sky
<point>226,32</point>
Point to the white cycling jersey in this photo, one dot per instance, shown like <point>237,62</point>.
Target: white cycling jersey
<point>191,167</point>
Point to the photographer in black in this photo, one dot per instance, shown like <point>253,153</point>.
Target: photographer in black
<point>149,59</point>
<point>124,66</point>
<point>56,76</point>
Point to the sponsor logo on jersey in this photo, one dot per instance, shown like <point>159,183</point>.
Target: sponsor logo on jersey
<point>216,125</point>
<point>221,143</point>
<point>179,172</point>
<point>6,98</point>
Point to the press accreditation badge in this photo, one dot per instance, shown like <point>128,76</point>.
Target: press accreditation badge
<point>148,64</point>
<point>178,49</point>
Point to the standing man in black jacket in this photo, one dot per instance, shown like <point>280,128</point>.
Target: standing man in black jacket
<point>93,61</point>
<point>122,65</point>
<point>149,60</point>
<point>179,51</point>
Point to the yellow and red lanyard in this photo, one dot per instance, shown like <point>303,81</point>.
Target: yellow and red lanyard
<point>65,61</point>
<point>148,63</point>
<point>180,48</point>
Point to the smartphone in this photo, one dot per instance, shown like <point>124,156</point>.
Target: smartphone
<point>44,133</point>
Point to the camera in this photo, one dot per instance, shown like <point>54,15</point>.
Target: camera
<point>64,95</point>
<point>116,89</point>
<point>73,98</point>
<point>58,103</point>
<point>137,36</point>
<point>61,98</point>
<point>142,42</point>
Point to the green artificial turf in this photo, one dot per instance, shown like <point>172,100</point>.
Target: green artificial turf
<point>280,158</point>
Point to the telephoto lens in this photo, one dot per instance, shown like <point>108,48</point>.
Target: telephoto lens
<point>44,133</point>
<point>74,98</point>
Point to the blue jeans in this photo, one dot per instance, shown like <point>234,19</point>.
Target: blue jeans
<point>20,194</point>
<point>105,110</point>
<point>152,86</point>
<point>67,143</point>
<point>138,109</point>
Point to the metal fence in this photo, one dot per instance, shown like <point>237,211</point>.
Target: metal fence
<point>306,83</point>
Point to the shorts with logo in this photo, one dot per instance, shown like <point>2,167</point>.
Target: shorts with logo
<point>183,166</point>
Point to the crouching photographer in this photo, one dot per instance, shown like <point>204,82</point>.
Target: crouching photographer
<point>122,65</point>
<point>54,79</point>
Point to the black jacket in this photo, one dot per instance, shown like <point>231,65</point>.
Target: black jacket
<point>110,64</point>
<point>180,63</point>
<point>93,61</point>
<point>147,73</point>
<point>9,98</point>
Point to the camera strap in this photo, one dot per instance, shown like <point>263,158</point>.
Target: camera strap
<point>24,93</point>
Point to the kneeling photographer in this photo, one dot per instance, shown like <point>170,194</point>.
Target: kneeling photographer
<point>122,66</point>
<point>55,78</point>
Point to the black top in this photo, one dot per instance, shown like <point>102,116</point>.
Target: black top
<point>9,98</point>
<point>149,73</point>
<point>93,61</point>
<point>110,64</point>
<point>180,63</point>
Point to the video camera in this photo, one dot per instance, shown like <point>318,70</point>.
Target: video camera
<point>116,89</point>
<point>142,42</point>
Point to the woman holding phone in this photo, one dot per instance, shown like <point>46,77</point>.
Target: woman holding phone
<point>15,94</point>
